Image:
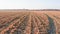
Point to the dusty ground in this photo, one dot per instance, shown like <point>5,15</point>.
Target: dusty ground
<point>30,22</point>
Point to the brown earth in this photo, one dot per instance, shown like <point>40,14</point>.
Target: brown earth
<point>30,22</point>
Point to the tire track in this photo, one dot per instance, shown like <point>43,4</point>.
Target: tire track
<point>57,23</point>
<point>52,29</point>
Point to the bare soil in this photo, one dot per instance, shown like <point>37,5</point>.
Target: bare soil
<point>29,22</point>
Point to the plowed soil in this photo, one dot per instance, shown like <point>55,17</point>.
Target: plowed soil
<point>30,22</point>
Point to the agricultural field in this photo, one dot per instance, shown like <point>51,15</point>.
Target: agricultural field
<point>29,22</point>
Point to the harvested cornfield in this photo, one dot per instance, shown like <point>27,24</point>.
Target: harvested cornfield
<point>30,22</point>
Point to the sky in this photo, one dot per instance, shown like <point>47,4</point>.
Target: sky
<point>29,4</point>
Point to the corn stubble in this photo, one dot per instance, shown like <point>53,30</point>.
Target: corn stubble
<point>33,22</point>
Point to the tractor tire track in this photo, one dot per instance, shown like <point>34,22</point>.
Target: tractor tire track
<point>52,29</point>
